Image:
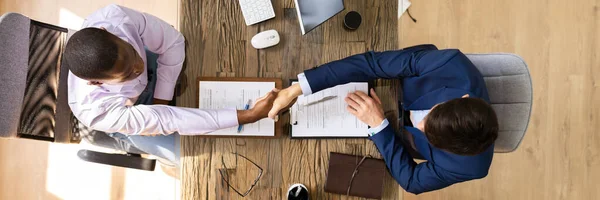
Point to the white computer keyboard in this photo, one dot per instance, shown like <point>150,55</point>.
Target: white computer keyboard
<point>255,11</point>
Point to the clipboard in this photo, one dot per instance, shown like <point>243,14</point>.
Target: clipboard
<point>370,84</point>
<point>278,84</point>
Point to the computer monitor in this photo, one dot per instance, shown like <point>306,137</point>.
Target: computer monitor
<point>312,13</point>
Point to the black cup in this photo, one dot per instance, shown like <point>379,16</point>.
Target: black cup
<point>352,20</point>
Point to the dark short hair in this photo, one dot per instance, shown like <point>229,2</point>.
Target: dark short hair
<point>91,53</point>
<point>464,126</point>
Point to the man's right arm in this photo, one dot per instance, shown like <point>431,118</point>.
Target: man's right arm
<point>370,66</point>
<point>156,119</point>
<point>358,68</point>
<point>112,114</point>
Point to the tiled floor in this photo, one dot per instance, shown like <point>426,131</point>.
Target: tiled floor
<point>39,170</point>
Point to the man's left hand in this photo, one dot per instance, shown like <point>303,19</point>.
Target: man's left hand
<point>365,108</point>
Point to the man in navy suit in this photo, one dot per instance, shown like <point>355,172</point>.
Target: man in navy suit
<point>455,127</point>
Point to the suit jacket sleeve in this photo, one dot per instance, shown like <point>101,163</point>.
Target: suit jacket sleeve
<point>414,178</point>
<point>369,66</point>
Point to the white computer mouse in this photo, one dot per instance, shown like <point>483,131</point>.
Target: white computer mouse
<point>265,39</point>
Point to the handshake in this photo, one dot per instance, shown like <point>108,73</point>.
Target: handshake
<point>366,109</point>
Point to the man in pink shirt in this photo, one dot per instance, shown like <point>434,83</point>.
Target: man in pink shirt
<point>116,86</point>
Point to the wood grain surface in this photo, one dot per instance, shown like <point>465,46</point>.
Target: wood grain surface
<point>559,158</point>
<point>218,45</point>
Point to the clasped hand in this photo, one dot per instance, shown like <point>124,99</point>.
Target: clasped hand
<point>367,109</point>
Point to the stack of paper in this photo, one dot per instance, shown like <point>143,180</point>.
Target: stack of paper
<point>228,94</point>
<point>324,114</point>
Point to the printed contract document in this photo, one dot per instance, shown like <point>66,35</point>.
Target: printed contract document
<point>230,94</point>
<point>324,114</point>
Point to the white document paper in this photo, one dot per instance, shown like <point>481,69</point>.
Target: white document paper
<point>403,6</point>
<point>321,115</point>
<point>228,94</point>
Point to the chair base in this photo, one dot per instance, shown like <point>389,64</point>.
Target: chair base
<point>133,161</point>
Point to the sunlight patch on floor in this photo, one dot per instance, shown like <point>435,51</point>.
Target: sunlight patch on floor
<point>68,19</point>
<point>68,177</point>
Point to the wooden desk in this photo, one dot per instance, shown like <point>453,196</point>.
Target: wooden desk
<point>218,44</point>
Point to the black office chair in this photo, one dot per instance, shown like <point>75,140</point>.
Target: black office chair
<point>33,98</point>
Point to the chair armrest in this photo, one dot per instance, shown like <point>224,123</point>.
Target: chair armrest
<point>133,161</point>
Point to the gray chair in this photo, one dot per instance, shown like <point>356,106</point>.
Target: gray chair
<point>33,97</point>
<point>509,85</point>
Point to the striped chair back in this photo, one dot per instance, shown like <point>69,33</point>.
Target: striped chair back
<point>35,99</point>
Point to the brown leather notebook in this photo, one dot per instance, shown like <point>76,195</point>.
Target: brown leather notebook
<point>367,181</point>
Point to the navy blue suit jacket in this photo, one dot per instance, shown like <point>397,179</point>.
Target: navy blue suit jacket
<point>430,76</point>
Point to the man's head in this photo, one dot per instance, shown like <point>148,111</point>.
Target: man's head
<point>464,126</point>
<point>98,56</point>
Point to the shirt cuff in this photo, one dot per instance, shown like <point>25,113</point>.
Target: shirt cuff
<point>304,84</point>
<point>164,90</point>
<point>227,118</point>
<point>372,131</point>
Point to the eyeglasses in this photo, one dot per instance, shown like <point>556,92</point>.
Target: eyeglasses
<point>227,175</point>
<point>354,174</point>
